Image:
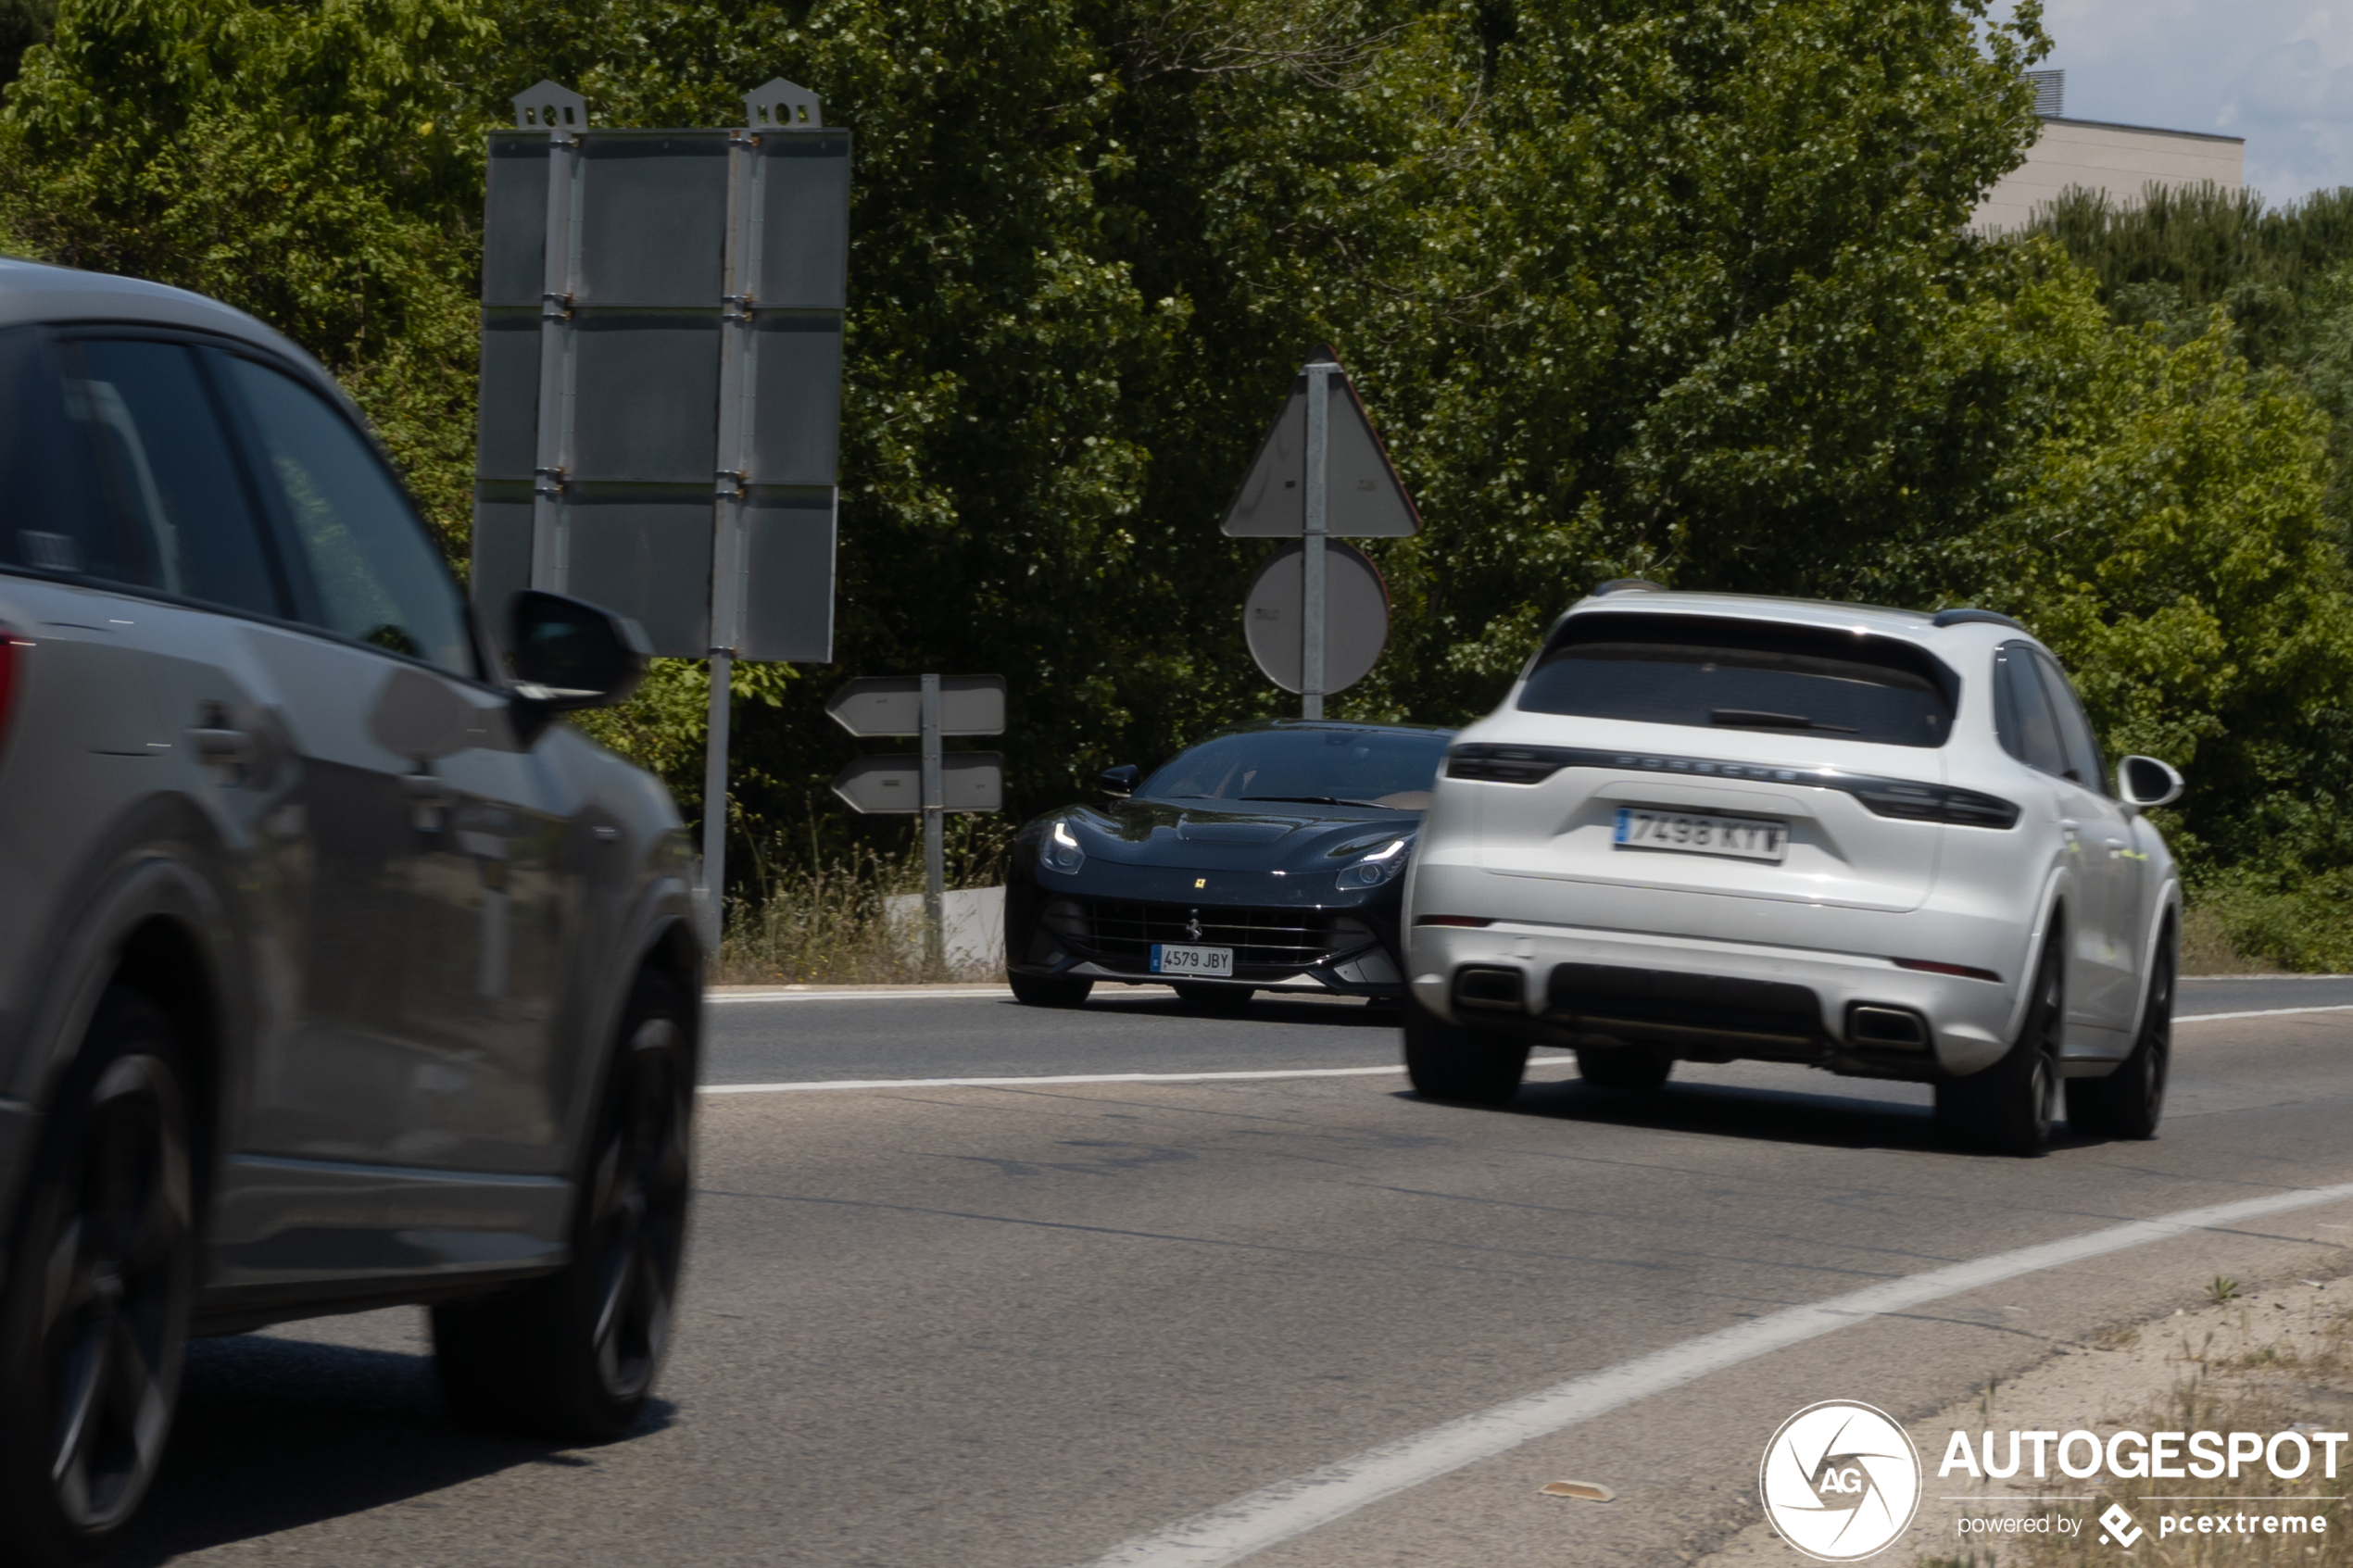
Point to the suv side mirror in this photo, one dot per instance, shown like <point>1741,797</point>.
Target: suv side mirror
<point>2145,781</point>
<point>568,654</point>
<point>1121,781</point>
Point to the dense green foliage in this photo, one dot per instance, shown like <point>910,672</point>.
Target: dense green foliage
<point>2265,293</point>
<point>1683,291</point>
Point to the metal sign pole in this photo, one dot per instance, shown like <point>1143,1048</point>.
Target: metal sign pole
<point>551,527</point>
<point>935,832</point>
<point>1311,578</point>
<point>714,799</point>
<point>737,385</point>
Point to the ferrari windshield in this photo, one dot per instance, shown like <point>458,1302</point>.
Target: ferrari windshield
<point>1307,766</point>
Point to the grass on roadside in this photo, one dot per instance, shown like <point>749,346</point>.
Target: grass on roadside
<point>828,921</point>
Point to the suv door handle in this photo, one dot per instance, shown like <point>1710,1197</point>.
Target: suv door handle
<point>223,746</point>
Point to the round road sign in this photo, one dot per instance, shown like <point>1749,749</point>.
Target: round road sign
<point>1355,615</point>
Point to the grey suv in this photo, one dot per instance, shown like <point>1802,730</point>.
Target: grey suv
<point>333,975</point>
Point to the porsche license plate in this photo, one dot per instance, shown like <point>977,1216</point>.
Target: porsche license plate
<point>1215,962</point>
<point>1750,838</point>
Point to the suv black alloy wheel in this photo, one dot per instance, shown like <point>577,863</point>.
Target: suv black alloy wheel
<point>574,1355</point>
<point>92,1336</point>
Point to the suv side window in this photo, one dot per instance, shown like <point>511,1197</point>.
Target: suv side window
<point>2023,714</point>
<point>53,513</point>
<point>377,576</point>
<point>186,520</point>
<point>2075,731</point>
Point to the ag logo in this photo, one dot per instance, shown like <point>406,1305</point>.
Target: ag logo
<point>1840,1481</point>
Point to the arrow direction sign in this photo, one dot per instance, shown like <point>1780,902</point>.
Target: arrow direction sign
<point>1367,500</point>
<point>893,705</point>
<point>933,781</point>
<point>969,781</point>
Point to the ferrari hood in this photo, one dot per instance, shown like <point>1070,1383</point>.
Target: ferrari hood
<point>1299,839</point>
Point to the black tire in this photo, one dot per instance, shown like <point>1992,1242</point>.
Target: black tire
<point>1048,990</point>
<point>1447,1062</point>
<point>2129,1102</point>
<point>1623,1067</point>
<point>2009,1108</point>
<point>90,1374</point>
<point>1212,998</point>
<point>574,1355</point>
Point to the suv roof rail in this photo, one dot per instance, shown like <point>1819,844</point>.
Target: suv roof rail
<point>1964,616</point>
<point>1629,585</point>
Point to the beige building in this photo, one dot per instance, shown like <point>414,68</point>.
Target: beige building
<point>2119,159</point>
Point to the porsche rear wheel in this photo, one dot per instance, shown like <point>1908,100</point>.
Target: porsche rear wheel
<point>1449,1062</point>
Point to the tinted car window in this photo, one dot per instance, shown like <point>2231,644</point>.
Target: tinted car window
<point>52,511</point>
<point>185,517</point>
<point>1359,766</point>
<point>376,575</point>
<point>2023,714</point>
<point>2083,751</point>
<point>1727,674</point>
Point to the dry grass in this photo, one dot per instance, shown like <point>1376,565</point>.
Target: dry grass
<point>2258,1380</point>
<point>2207,946</point>
<point>823,922</point>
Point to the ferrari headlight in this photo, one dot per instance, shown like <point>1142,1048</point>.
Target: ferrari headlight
<point>1061,852</point>
<point>1376,868</point>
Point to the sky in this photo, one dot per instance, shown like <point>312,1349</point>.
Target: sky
<point>2278,72</point>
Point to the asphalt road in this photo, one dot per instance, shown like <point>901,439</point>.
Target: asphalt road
<point>1019,1325</point>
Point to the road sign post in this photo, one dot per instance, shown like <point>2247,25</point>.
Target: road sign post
<point>1321,473</point>
<point>1311,525</point>
<point>935,829</point>
<point>933,781</point>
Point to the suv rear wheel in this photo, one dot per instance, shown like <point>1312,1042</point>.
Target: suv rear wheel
<point>96,1316</point>
<point>574,1355</point>
<point>2007,1108</point>
<point>1447,1062</point>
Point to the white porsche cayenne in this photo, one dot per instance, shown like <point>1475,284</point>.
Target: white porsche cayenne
<point>1707,828</point>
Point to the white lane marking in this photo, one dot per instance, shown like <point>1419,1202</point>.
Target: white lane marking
<point>1211,1078</point>
<point>1272,1514</point>
<point>1063,1078</point>
<point>2261,1012</point>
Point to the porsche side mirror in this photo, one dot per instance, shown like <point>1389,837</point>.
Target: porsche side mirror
<point>2145,781</point>
<point>1121,781</point>
<point>567,654</point>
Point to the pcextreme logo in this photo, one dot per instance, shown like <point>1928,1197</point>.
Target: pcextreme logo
<point>1840,1481</point>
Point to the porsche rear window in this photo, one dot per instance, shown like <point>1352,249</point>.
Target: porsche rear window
<point>1715,672</point>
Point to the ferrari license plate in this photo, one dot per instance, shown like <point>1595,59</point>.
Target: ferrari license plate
<point>1750,838</point>
<point>1215,962</point>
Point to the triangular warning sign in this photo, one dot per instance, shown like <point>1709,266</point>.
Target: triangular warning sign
<point>1366,498</point>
